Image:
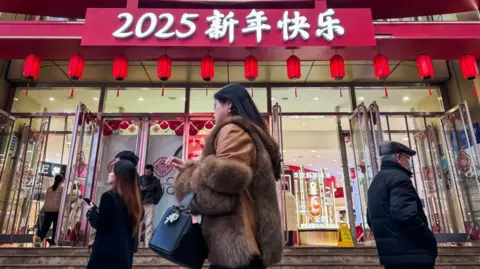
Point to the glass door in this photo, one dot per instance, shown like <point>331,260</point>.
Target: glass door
<point>463,155</point>
<point>366,136</point>
<point>78,178</point>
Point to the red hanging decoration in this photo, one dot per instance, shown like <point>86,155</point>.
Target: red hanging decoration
<point>124,125</point>
<point>337,69</point>
<point>381,69</point>
<point>31,69</point>
<point>293,70</point>
<point>251,70</point>
<point>468,65</point>
<point>75,69</point>
<point>164,125</point>
<point>209,125</point>
<point>120,70</point>
<point>425,69</point>
<point>164,69</point>
<point>207,68</point>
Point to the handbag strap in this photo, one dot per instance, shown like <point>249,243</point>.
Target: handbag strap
<point>187,200</point>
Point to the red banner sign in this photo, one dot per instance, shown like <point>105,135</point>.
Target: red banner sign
<point>228,28</point>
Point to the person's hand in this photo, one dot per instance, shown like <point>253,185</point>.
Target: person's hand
<point>176,163</point>
<point>88,205</point>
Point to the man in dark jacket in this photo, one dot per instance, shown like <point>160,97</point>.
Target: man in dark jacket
<point>395,213</point>
<point>151,194</point>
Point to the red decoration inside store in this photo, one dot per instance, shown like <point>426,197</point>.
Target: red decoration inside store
<point>164,69</point>
<point>293,69</point>
<point>425,69</point>
<point>337,69</point>
<point>75,69</point>
<point>468,65</point>
<point>381,69</point>
<point>120,70</point>
<point>251,70</point>
<point>31,68</point>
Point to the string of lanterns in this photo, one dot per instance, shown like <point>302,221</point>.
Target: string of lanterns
<point>381,67</point>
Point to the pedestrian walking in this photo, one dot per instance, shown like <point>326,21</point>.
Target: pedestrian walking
<point>235,186</point>
<point>395,213</point>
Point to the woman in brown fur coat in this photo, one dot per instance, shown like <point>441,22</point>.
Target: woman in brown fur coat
<point>235,186</point>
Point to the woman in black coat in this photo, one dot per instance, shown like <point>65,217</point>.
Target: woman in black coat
<point>117,220</point>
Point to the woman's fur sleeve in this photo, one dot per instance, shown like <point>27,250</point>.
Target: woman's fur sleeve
<point>206,202</point>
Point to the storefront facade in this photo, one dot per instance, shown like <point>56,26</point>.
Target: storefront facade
<point>328,129</point>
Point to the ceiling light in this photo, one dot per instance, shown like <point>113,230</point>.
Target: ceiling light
<point>140,98</point>
<point>294,160</point>
<point>273,99</point>
<point>316,98</point>
<point>95,99</point>
<point>51,99</point>
<point>405,138</point>
<point>349,164</point>
<point>309,164</point>
<point>406,98</point>
<point>319,156</point>
<point>338,173</point>
<point>58,154</point>
<point>334,160</point>
<point>303,124</point>
<point>313,150</point>
<point>16,99</point>
<point>361,98</point>
<point>284,150</point>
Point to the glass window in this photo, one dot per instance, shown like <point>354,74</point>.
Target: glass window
<point>312,99</point>
<point>145,100</point>
<point>54,100</point>
<point>202,101</point>
<point>401,99</point>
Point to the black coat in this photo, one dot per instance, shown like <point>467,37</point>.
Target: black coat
<point>396,217</point>
<point>114,244</point>
<point>153,190</point>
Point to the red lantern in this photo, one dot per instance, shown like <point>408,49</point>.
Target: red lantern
<point>251,70</point>
<point>31,68</point>
<point>468,64</point>
<point>75,69</point>
<point>425,69</point>
<point>293,69</point>
<point>164,69</point>
<point>207,70</point>
<point>120,70</point>
<point>381,68</point>
<point>337,69</point>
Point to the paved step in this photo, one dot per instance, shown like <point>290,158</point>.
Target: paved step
<point>299,257</point>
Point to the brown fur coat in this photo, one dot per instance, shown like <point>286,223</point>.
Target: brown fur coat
<point>218,183</point>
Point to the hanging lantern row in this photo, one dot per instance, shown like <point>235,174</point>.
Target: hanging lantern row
<point>76,66</point>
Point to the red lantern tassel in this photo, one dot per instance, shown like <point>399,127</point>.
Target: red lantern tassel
<point>386,91</point>
<point>163,91</point>
<point>72,91</point>
<point>118,90</point>
<point>429,89</point>
<point>341,94</point>
<point>26,89</point>
<point>474,90</point>
<point>251,91</point>
<point>296,93</point>
<point>206,91</point>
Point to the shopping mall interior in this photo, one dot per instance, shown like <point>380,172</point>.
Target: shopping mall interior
<point>327,131</point>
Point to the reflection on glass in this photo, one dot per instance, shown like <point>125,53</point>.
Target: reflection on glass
<point>145,100</point>
<point>54,100</point>
<point>401,99</point>
<point>201,99</point>
<point>312,99</point>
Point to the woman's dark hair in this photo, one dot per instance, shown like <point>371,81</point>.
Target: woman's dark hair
<point>58,181</point>
<point>242,103</point>
<point>128,155</point>
<point>127,187</point>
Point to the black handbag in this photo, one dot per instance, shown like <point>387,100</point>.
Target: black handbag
<point>178,239</point>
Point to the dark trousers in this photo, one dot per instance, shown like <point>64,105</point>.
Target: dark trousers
<point>410,266</point>
<point>49,218</point>
<point>256,263</point>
